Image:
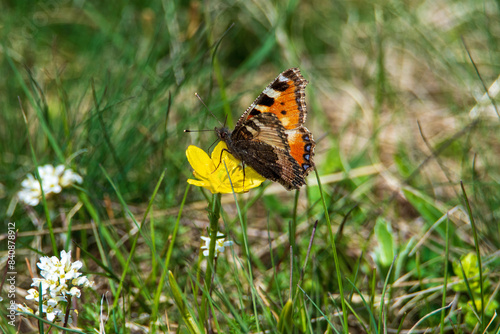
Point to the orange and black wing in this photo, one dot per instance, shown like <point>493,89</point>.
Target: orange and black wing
<point>265,143</point>
<point>285,98</point>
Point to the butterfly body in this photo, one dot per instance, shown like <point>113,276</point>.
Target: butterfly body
<point>270,136</point>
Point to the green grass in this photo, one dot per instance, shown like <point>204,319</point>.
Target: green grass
<point>108,88</point>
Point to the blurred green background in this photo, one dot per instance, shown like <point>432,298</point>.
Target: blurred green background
<point>396,87</point>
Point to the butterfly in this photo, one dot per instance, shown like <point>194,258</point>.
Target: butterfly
<point>270,136</point>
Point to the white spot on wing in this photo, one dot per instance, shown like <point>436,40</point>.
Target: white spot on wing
<point>285,121</point>
<point>251,130</point>
<point>271,93</point>
<point>261,108</point>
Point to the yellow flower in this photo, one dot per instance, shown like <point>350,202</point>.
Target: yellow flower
<point>211,173</point>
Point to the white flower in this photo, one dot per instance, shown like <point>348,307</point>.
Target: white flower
<point>50,180</point>
<point>75,292</point>
<point>23,308</point>
<point>45,285</point>
<point>31,193</point>
<point>69,177</point>
<point>53,181</point>
<point>65,259</point>
<point>82,281</point>
<point>47,264</point>
<point>220,244</point>
<point>33,294</point>
<point>60,280</point>
<point>52,310</point>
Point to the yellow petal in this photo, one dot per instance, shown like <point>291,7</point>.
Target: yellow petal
<point>221,153</point>
<point>212,173</point>
<point>198,183</point>
<point>199,161</point>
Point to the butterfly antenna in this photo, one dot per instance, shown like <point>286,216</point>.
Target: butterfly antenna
<point>225,120</point>
<point>199,98</point>
<point>203,130</point>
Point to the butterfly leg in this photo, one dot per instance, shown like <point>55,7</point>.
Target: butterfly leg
<point>243,166</point>
<point>220,158</point>
<point>220,161</point>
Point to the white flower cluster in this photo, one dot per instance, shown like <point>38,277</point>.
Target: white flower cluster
<point>60,280</point>
<point>219,244</point>
<point>53,180</point>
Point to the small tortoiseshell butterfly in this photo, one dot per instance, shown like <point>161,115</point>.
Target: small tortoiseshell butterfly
<point>270,136</point>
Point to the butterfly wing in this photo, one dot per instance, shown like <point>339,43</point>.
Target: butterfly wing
<point>262,143</point>
<point>285,98</point>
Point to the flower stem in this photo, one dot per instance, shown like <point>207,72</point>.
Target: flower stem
<point>213,216</point>
<point>68,309</point>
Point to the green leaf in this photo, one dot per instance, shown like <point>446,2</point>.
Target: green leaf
<point>181,305</point>
<point>285,320</point>
<point>471,271</point>
<point>424,205</point>
<point>385,250</point>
